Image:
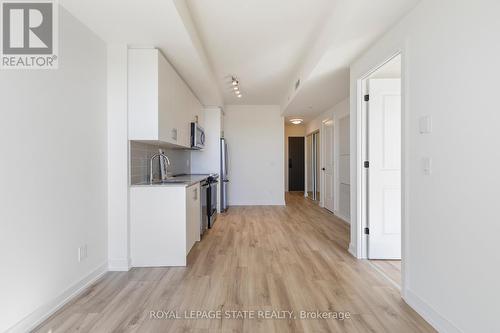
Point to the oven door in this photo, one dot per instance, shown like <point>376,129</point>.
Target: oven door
<point>212,215</point>
<point>205,188</point>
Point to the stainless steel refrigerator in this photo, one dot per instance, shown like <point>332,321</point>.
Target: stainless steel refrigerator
<point>223,174</point>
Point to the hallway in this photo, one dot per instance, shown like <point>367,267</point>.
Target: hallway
<point>289,258</point>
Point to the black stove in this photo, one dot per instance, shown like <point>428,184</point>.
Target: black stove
<point>208,199</point>
<point>212,181</point>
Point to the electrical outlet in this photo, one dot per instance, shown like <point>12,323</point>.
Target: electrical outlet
<point>425,125</point>
<point>427,166</point>
<point>82,253</point>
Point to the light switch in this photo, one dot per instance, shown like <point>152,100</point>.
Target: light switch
<point>427,165</point>
<point>425,124</point>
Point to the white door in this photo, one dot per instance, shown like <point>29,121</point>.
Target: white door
<point>328,164</point>
<point>384,173</point>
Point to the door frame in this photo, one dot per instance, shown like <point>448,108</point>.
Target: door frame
<point>361,173</point>
<point>306,169</point>
<point>322,149</point>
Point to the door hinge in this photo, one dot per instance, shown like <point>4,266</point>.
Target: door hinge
<point>367,231</point>
<point>367,98</point>
<point>366,164</point>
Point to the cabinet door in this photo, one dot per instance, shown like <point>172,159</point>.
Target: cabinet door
<point>143,94</point>
<point>183,122</point>
<point>193,216</point>
<point>198,111</point>
<point>192,107</point>
<point>161,104</point>
<point>184,116</point>
<point>166,95</point>
<point>178,110</point>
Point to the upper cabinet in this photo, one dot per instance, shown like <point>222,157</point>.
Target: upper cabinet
<point>161,106</point>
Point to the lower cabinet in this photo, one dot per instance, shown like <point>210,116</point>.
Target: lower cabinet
<point>164,224</point>
<point>193,216</point>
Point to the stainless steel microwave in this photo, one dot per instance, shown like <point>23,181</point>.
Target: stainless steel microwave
<point>197,136</point>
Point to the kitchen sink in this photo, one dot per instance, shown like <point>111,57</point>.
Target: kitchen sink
<point>166,181</point>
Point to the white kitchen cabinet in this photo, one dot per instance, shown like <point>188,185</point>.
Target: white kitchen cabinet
<point>164,224</point>
<point>193,216</point>
<point>161,106</point>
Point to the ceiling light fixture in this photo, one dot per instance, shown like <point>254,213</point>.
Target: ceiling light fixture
<point>297,121</point>
<point>234,81</point>
<point>235,84</point>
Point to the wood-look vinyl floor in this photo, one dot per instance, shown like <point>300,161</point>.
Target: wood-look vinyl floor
<point>390,268</point>
<point>255,258</point>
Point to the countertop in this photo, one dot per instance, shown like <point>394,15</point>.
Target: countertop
<point>182,180</point>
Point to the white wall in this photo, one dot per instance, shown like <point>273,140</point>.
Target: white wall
<point>208,159</point>
<point>451,62</point>
<point>339,110</point>
<point>255,136</point>
<point>53,175</point>
<point>339,113</point>
<point>291,131</point>
<point>118,162</point>
<point>315,124</point>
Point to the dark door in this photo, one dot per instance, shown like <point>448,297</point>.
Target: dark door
<point>296,164</point>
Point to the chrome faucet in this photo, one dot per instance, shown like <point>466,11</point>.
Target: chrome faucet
<point>163,171</point>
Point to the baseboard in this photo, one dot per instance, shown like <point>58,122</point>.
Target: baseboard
<point>119,265</point>
<point>428,313</point>
<point>352,250</point>
<point>45,311</point>
<point>342,217</point>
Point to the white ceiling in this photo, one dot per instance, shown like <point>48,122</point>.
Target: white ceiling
<point>268,44</point>
<point>260,41</point>
<point>151,23</point>
<point>354,26</point>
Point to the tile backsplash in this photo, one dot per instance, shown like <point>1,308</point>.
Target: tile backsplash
<point>140,153</point>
